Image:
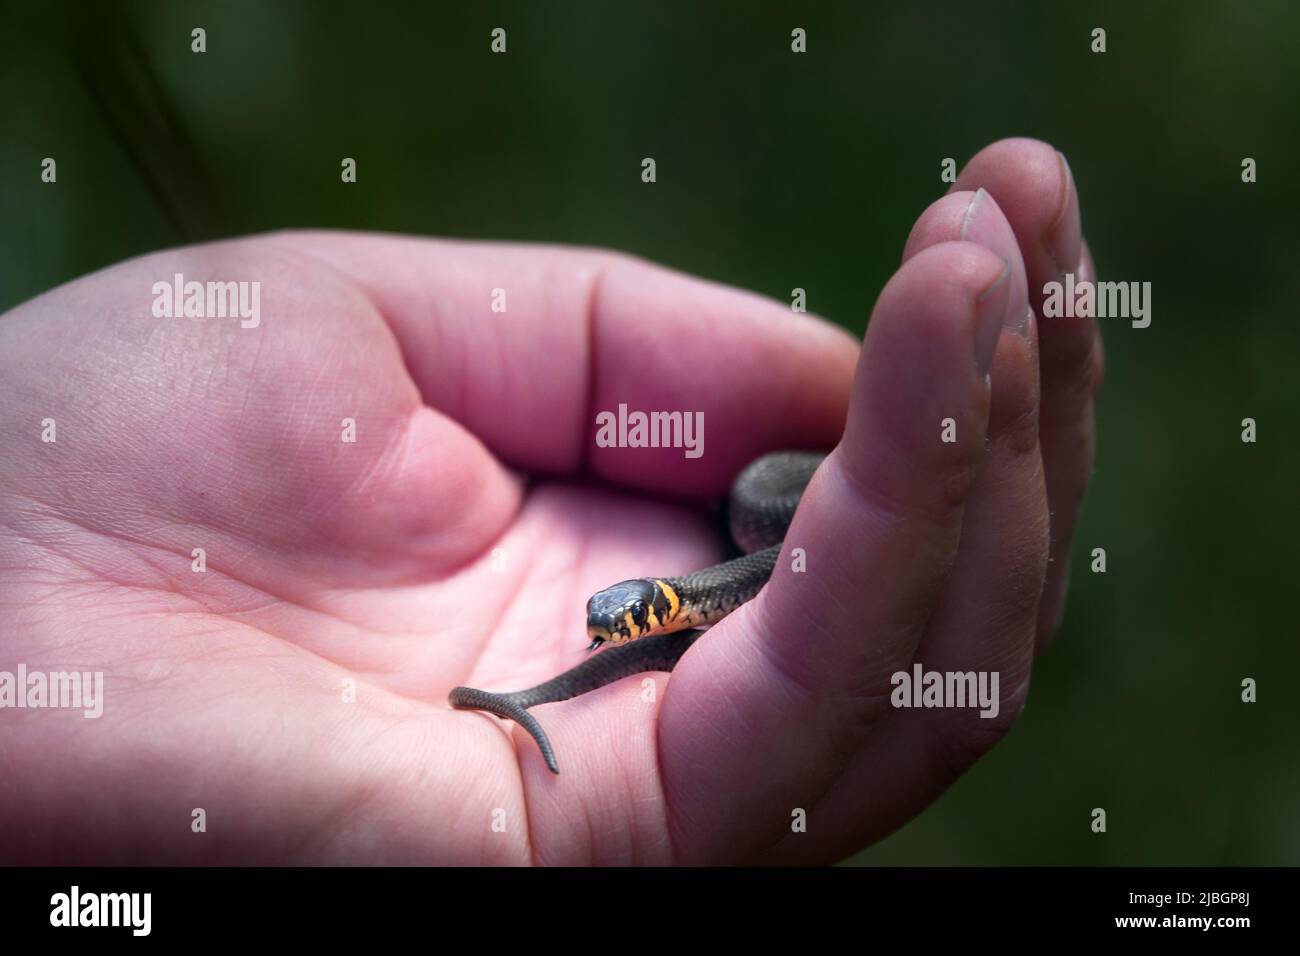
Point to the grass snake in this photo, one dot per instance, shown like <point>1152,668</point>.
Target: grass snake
<point>650,623</point>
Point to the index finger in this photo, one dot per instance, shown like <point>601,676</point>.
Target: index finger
<point>525,345</point>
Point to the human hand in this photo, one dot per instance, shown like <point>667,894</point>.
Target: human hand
<point>416,558</point>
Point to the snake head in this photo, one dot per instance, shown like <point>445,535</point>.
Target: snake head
<point>622,612</point>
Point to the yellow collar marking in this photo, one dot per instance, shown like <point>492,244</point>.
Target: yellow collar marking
<point>674,602</point>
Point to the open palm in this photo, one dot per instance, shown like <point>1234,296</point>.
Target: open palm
<point>282,545</point>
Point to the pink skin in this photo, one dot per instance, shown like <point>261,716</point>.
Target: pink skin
<point>329,561</point>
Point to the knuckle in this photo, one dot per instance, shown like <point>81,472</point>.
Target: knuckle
<point>1074,370</point>
<point>1018,432</point>
<point>958,738</point>
<point>925,509</point>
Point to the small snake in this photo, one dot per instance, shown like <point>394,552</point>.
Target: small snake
<point>651,622</point>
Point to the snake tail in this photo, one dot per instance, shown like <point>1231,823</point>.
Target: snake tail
<point>504,705</point>
<point>659,653</point>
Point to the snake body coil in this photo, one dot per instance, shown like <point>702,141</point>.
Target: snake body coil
<point>657,619</point>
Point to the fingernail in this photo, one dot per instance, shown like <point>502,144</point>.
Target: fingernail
<point>990,316</point>
<point>985,224</point>
<point>1064,235</point>
<point>1018,320</point>
<point>968,221</point>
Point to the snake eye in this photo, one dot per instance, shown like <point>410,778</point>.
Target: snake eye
<point>638,613</point>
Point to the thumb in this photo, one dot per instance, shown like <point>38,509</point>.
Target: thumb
<point>766,711</point>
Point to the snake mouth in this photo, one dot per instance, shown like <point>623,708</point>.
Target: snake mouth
<point>600,635</point>
<point>608,629</point>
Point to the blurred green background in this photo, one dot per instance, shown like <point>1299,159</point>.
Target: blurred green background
<point>778,170</point>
